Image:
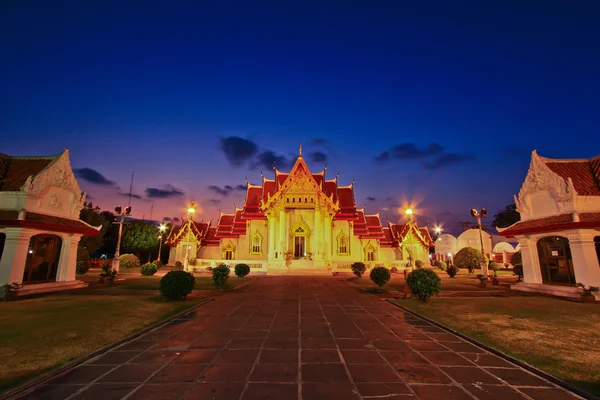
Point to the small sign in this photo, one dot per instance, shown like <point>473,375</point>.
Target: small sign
<point>554,253</point>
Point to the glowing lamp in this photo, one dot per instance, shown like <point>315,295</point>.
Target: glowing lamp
<point>437,229</point>
<point>408,211</point>
<point>449,254</point>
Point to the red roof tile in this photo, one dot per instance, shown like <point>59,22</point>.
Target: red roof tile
<point>553,223</point>
<point>584,174</point>
<point>49,222</point>
<point>253,196</point>
<point>346,197</point>
<point>14,171</point>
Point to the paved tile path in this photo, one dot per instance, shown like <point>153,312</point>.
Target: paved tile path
<point>306,338</point>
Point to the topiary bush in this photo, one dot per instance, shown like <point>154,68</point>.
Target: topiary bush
<point>452,271</point>
<point>241,270</point>
<point>358,268</point>
<point>441,265</point>
<point>176,285</point>
<point>494,266</point>
<point>516,258</point>
<point>209,269</point>
<point>158,264</point>
<point>192,261</point>
<point>518,271</point>
<point>178,265</point>
<point>221,274</point>
<point>419,264</point>
<point>423,283</point>
<point>82,267</point>
<point>394,270</point>
<point>148,269</point>
<point>129,261</point>
<point>380,275</point>
<point>468,258</point>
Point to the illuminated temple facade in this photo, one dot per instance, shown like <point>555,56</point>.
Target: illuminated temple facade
<point>299,222</point>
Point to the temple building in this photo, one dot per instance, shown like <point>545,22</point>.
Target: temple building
<point>299,222</point>
<point>40,229</point>
<point>559,231</point>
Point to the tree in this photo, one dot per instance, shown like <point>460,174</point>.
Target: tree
<point>468,257</point>
<point>506,217</point>
<point>90,244</point>
<point>139,236</point>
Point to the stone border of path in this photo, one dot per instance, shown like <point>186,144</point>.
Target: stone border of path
<point>51,374</point>
<point>500,354</point>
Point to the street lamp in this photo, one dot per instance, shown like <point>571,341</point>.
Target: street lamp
<point>191,211</point>
<point>161,229</point>
<point>122,212</point>
<point>409,212</point>
<point>479,215</point>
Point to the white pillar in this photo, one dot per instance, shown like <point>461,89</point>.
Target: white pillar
<point>14,255</point>
<point>327,241</point>
<point>271,252</point>
<point>68,257</point>
<point>317,241</point>
<point>531,261</point>
<point>282,240</point>
<point>585,259</point>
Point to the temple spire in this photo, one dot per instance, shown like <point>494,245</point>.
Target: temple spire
<point>300,149</point>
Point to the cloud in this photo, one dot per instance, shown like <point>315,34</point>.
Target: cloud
<point>269,158</point>
<point>319,142</point>
<point>371,198</point>
<point>225,190</point>
<point>389,199</point>
<point>433,156</point>
<point>238,150</point>
<point>166,192</point>
<point>318,157</point>
<point>166,219</point>
<point>214,201</point>
<point>133,195</point>
<point>447,160</point>
<point>176,219</point>
<point>92,176</point>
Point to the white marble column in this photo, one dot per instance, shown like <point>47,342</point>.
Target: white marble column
<point>282,238</point>
<point>585,259</point>
<point>531,261</point>
<point>14,255</point>
<point>328,240</point>
<point>317,236</point>
<point>68,258</point>
<point>271,245</point>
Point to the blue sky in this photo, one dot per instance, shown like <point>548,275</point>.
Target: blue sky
<point>435,103</point>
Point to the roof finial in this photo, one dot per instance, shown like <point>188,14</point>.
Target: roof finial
<point>274,168</point>
<point>246,179</point>
<point>325,166</point>
<point>261,174</point>
<point>300,149</point>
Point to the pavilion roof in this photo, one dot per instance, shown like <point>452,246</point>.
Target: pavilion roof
<point>46,222</point>
<point>584,173</point>
<point>196,229</point>
<point>14,171</point>
<point>553,224</point>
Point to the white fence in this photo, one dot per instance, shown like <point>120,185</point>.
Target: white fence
<point>255,265</point>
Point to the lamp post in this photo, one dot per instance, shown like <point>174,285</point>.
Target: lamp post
<point>122,212</point>
<point>191,212</point>
<point>479,215</point>
<point>161,229</point>
<point>409,215</point>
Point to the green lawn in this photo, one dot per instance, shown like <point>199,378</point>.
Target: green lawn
<point>458,283</point>
<point>557,336</point>
<point>152,283</point>
<point>43,333</point>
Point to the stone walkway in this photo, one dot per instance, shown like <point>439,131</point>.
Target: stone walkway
<point>306,338</point>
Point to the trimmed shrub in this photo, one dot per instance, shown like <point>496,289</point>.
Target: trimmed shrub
<point>106,265</point>
<point>359,268</point>
<point>516,258</point>
<point>441,265</point>
<point>82,267</point>
<point>178,265</point>
<point>209,269</point>
<point>452,271</point>
<point>192,261</point>
<point>221,274</point>
<point>518,271</point>
<point>129,261</point>
<point>494,266</point>
<point>241,270</point>
<point>394,270</point>
<point>419,264</point>
<point>423,283</point>
<point>176,285</point>
<point>380,275</point>
<point>158,264</point>
<point>148,269</point>
<point>468,258</point>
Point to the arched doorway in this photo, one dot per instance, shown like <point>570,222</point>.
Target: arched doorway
<point>2,241</point>
<point>43,256</point>
<point>597,243</point>
<point>556,263</point>
<point>300,235</point>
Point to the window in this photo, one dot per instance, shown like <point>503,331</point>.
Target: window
<point>229,254</point>
<point>370,255</point>
<point>43,256</point>
<point>342,244</point>
<point>256,244</point>
<point>556,264</point>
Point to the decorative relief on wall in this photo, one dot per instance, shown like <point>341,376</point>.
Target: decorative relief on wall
<point>54,202</point>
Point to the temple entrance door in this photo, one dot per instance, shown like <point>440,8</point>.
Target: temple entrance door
<point>556,263</point>
<point>42,259</point>
<point>299,246</point>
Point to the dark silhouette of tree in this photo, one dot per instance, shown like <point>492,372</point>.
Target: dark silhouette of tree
<point>506,217</point>
<point>139,236</point>
<point>90,244</point>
